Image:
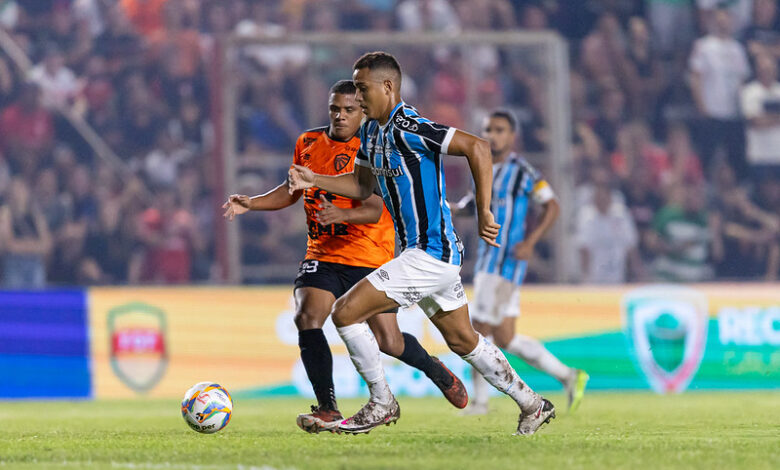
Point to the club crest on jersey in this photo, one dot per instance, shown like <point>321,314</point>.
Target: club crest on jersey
<point>666,330</point>
<point>341,161</point>
<point>137,345</point>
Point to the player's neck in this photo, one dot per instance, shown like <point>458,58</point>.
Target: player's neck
<point>389,111</point>
<point>333,137</point>
<point>502,157</point>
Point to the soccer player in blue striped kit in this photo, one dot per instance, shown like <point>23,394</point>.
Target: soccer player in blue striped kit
<point>400,155</point>
<point>500,271</point>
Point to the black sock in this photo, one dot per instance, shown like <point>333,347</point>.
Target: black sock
<point>417,357</point>
<point>318,362</point>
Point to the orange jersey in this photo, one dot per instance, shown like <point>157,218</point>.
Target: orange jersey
<point>365,245</point>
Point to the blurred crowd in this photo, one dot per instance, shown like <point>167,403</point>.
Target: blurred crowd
<point>675,112</point>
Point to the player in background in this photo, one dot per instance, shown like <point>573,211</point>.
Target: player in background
<point>347,240</point>
<point>500,271</point>
<point>400,154</point>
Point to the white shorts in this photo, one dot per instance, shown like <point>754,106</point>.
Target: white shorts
<point>415,277</point>
<point>495,298</point>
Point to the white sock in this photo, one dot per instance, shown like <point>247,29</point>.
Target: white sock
<point>488,360</point>
<point>364,352</point>
<point>536,355</point>
<point>481,392</point>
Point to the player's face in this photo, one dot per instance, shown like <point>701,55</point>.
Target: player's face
<point>345,115</point>
<point>373,93</point>
<point>499,134</point>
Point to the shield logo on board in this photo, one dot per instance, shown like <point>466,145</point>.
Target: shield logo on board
<point>138,349</point>
<point>666,329</point>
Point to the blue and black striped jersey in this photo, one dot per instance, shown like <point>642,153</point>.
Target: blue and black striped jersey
<point>405,156</point>
<point>515,184</point>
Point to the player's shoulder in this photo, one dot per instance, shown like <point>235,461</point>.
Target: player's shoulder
<point>408,119</point>
<point>309,136</point>
<point>526,166</point>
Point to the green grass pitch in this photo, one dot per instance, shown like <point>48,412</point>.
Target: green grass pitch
<point>611,430</point>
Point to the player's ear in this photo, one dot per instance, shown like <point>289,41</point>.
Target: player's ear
<point>388,85</point>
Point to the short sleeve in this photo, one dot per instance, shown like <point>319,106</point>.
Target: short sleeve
<point>536,186</point>
<point>542,192</point>
<point>297,155</point>
<point>422,135</point>
<point>361,157</point>
<point>697,61</point>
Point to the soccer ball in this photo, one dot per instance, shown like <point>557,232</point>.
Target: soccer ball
<point>207,407</point>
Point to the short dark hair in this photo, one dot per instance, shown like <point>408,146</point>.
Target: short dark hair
<point>508,115</point>
<point>378,60</point>
<point>343,87</point>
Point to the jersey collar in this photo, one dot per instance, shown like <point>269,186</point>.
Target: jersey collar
<point>395,110</point>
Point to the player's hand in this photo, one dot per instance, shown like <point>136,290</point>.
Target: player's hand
<point>299,178</point>
<point>523,250</point>
<point>488,228</point>
<point>236,204</point>
<point>329,213</point>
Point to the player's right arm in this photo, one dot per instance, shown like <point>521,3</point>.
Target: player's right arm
<point>356,185</point>
<point>477,152</point>
<point>275,199</point>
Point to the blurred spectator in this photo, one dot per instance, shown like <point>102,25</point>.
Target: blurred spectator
<point>603,53</point>
<point>58,83</point>
<point>25,240</point>
<point>718,66</point>
<point>636,149</point>
<point>162,164</point>
<point>273,124</point>
<point>645,69</point>
<point>146,15</point>
<point>27,130</point>
<point>741,12</point>
<point>643,202</point>
<point>607,240</point>
<point>763,36</point>
<point>119,43</point>
<point>685,238</point>
<point>54,206</point>
<point>612,114</point>
<point>672,22</point>
<point>485,15</point>
<point>750,235</point>
<point>685,164</point>
<point>761,107</point>
<point>427,15</point>
<point>168,235</point>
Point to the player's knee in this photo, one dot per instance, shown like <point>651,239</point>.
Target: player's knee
<point>307,320</point>
<point>463,342</point>
<point>340,313</point>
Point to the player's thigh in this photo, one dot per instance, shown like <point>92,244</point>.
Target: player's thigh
<point>312,307</point>
<point>388,334</point>
<point>455,326</point>
<point>360,303</point>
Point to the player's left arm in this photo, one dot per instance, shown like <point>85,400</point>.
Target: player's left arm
<point>543,195</point>
<point>369,212</point>
<point>477,152</point>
